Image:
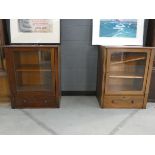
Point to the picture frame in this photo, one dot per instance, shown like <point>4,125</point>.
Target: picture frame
<point>46,31</point>
<point>118,32</point>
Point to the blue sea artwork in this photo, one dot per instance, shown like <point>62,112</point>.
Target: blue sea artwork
<point>125,28</point>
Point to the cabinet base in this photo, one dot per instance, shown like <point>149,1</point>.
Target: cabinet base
<point>35,103</point>
<point>128,102</point>
<point>4,99</point>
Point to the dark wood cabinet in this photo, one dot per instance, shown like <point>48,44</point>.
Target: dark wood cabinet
<point>2,34</point>
<point>4,88</point>
<point>34,75</point>
<point>124,76</point>
<point>151,97</point>
<point>150,41</point>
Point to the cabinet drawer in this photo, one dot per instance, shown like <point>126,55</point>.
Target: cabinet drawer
<point>123,102</point>
<point>29,102</point>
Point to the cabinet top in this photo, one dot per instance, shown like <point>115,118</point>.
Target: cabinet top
<point>130,47</point>
<point>37,46</point>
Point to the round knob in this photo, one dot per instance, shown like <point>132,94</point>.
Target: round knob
<point>24,101</point>
<point>45,101</point>
<point>112,101</point>
<point>132,101</point>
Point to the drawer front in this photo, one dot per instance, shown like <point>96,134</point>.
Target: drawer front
<point>40,102</point>
<point>123,101</point>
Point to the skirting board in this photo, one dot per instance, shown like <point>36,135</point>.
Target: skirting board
<point>78,93</point>
<point>151,100</point>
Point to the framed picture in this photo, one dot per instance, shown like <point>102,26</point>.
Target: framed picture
<point>35,30</point>
<point>118,32</point>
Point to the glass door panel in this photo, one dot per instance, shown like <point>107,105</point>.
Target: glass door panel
<point>126,71</point>
<point>34,81</point>
<point>34,70</point>
<point>1,60</point>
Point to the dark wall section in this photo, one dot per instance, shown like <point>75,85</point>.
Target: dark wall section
<point>78,56</point>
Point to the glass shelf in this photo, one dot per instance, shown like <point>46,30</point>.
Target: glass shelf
<point>127,77</point>
<point>125,74</point>
<point>128,60</point>
<point>33,68</point>
<point>34,88</point>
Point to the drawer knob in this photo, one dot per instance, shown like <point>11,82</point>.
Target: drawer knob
<point>24,101</point>
<point>112,101</point>
<point>45,101</point>
<point>132,101</point>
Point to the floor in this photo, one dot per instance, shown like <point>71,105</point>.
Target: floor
<point>77,115</point>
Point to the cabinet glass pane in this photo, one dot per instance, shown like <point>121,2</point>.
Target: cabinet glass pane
<point>33,70</point>
<point>34,81</point>
<point>1,61</point>
<point>126,71</point>
<point>33,59</point>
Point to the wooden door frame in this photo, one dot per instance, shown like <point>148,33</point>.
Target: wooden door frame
<point>11,71</point>
<point>109,51</point>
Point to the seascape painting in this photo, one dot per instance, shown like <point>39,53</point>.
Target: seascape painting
<point>122,28</point>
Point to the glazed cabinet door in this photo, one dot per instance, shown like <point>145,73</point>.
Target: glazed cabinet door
<point>1,60</point>
<point>33,70</point>
<point>126,71</point>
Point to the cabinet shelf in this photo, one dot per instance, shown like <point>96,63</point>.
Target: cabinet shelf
<point>128,60</point>
<point>34,88</point>
<point>126,74</point>
<point>33,68</point>
<point>126,77</point>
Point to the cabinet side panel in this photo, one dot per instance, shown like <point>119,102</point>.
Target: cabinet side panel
<point>152,85</point>
<point>148,78</point>
<point>2,36</point>
<point>10,73</point>
<point>100,74</point>
<point>57,69</point>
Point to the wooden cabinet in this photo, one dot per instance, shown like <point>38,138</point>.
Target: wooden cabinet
<point>124,76</point>
<point>2,34</point>
<point>4,88</point>
<point>150,41</point>
<point>151,97</point>
<point>34,75</point>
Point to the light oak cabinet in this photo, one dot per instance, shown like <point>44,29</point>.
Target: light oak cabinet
<point>124,76</point>
<point>34,75</point>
